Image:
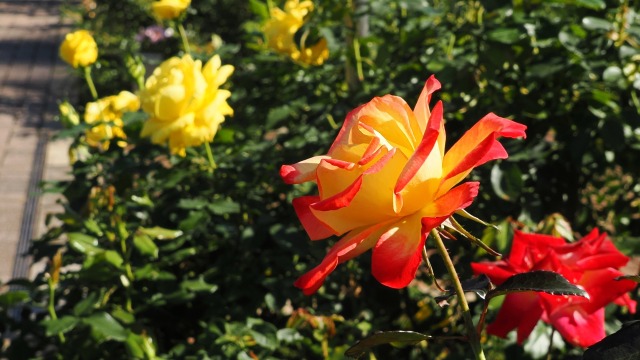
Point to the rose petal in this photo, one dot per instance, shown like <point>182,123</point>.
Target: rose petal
<point>371,204</point>
<point>527,249</point>
<point>421,110</point>
<point>519,310</point>
<point>302,171</point>
<point>456,199</point>
<point>577,327</point>
<point>602,287</point>
<point>497,271</point>
<point>315,228</point>
<point>424,160</point>
<point>350,246</point>
<point>398,253</point>
<point>477,146</point>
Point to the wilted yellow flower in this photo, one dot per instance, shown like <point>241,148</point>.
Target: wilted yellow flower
<point>184,102</point>
<point>79,49</point>
<point>106,114</point>
<point>281,28</point>
<point>169,9</point>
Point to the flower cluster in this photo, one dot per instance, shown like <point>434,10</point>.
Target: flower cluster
<point>106,117</point>
<point>592,263</point>
<point>386,182</point>
<point>79,49</point>
<point>185,103</point>
<point>280,32</point>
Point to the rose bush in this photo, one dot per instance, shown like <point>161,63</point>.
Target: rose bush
<point>79,49</point>
<point>106,117</point>
<point>280,32</point>
<point>593,263</point>
<point>185,103</point>
<point>169,9</point>
<point>387,181</point>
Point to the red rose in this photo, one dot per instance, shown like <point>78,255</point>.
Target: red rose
<point>591,263</point>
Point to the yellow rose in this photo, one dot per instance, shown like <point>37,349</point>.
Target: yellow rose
<point>169,9</point>
<point>387,181</point>
<point>281,28</point>
<point>314,55</point>
<point>106,114</point>
<point>79,49</point>
<point>184,102</point>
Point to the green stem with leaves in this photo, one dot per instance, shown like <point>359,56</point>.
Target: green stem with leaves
<point>472,334</point>
<point>51,306</point>
<point>92,87</point>
<point>128,274</point>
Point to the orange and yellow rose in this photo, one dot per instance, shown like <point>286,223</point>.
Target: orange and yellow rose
<point>280,32</point>
<point>387,181</point>
<point>79,49</point>
<point>105,116</point>
<point>185,103</point>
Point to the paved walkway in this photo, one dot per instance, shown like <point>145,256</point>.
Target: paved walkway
<point>32,79</point>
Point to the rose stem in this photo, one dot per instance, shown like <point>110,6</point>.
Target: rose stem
<point>92,87</point>
<point>210,155</point>
<point>462,301</point>
<point>183,36</point>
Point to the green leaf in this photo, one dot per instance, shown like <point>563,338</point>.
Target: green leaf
<point>159,233</point>
<point>145,245</point>
<point>140,346</point>
<point>86,305</point>
<point>385,337</point>
<point>198,285</point>
<point>479,285</point>
<point>540,281</point>
<point>265,335</point>
<point>624,344</point>
<point>259,8</point>
<point>288,335</point>
<point>278,114</point>
<point>507,182</point>
<point>59,326</point>
<point>93,226</point>
<point>635,278</point>
<point>224,206</point>
<point>142,200</point>
<point>123,316</point>
<point>84,243</point>
<point>592,4</point>
<point>192,204</point>
<point>505,35</point>
<point>594,23</point>
<point>225,136</point>
<point>105,325</point>
<point>112,257</point>
<point>12,298</point>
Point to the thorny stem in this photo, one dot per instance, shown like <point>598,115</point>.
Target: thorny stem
<point>425,256</point>
<point>92,87</point>
<point>472,335</point>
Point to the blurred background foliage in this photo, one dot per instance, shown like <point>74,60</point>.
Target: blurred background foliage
<point>164,258</point>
